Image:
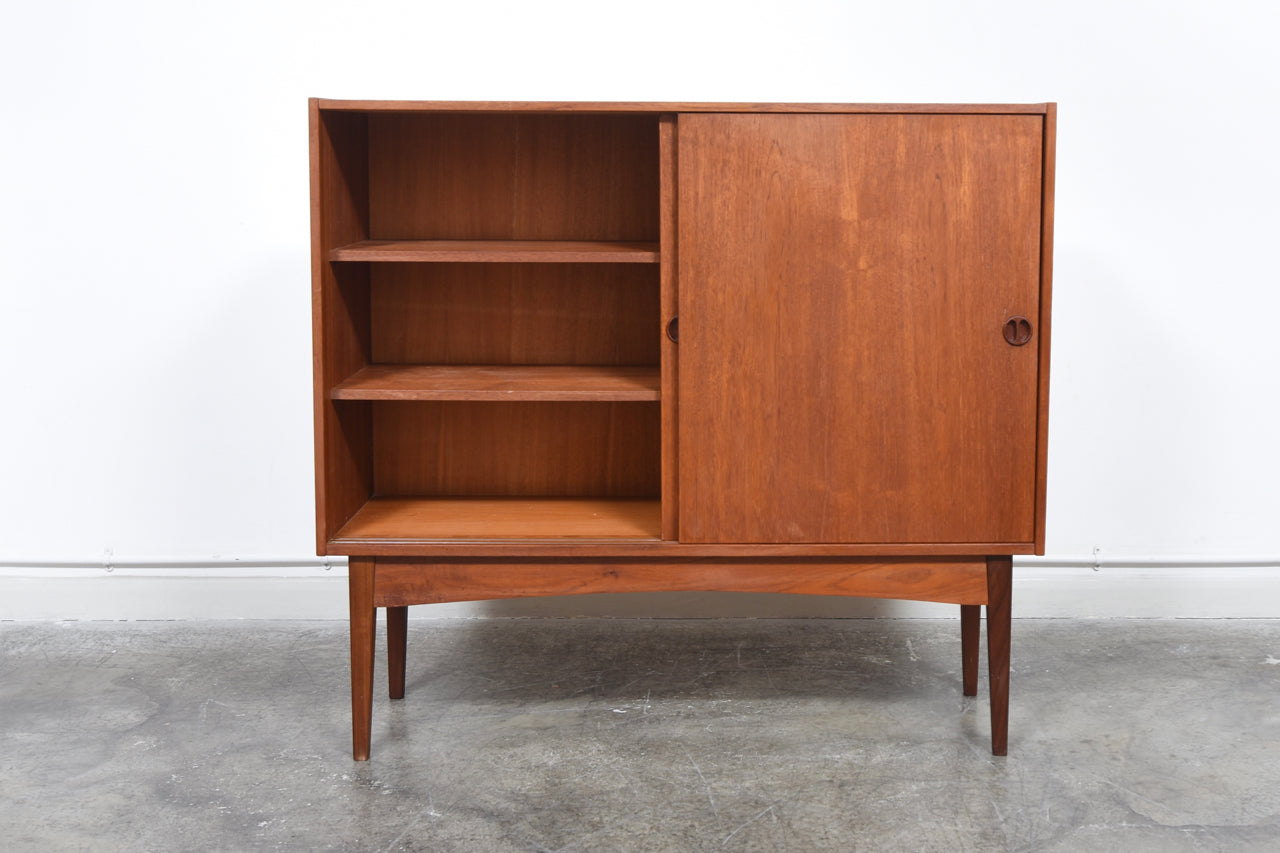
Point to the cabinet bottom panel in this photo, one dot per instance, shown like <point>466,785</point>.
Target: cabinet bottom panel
<point>387,520</point>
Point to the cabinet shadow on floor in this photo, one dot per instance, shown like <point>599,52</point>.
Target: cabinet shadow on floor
<point>490,666</point>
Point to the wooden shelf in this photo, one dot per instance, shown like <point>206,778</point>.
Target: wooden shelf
<point>498,251</point>
<point>501,383</point>
<point>431,519</point>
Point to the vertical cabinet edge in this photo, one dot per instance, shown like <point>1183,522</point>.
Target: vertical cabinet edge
<point>1046,304</point>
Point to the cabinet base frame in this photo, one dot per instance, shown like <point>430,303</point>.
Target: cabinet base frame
<point>397,582</point>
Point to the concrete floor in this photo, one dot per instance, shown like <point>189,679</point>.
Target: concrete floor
<point>612,735</point>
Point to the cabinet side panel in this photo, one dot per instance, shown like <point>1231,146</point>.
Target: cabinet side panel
<point>513,177</point>
<point>521,449</point>
<point>844,283</point>
<point>1046,301</point>
<point>340,316</point>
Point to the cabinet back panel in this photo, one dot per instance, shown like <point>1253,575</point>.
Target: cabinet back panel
<point>524,449</point>
<point>515,314</point>
<point>512,177</point>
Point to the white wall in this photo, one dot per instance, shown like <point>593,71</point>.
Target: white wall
<point>154,238</point>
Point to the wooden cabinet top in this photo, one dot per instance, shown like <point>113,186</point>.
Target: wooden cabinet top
<point>670,107</point>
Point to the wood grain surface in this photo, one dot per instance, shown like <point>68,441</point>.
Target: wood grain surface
<point>397,644</point>
<point>515,314</point>
<point>668,311</point>
<point>476,176</point>
<point>500,383</point>
<point>497,251</point>
<point>843,284</point>
<point>498,412</point>
<point>405,582</point>
<point>970,618</point>
<point>516,550</point>
<point>340,316</point>
<point>999,623</point>
<point>1046,303</point>
<point>643,107</point>
<point>520,449</point>
<point>363,619</point>
<point>506,518</point>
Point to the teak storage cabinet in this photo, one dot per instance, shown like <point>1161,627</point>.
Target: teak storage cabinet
<point>575,348</point>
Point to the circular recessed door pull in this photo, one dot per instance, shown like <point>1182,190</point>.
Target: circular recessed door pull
<point>1017,331</point>
<point>673,330</point>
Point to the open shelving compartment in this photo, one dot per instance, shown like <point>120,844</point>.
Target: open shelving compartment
<point>486,327</point>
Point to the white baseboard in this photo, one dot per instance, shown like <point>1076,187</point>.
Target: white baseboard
<point>269,588</point>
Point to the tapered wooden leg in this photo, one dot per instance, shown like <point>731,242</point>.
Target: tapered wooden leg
<point>363,623</point>
<point>397,640</point>
<point>999,612</point>
<point>970,615</point>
